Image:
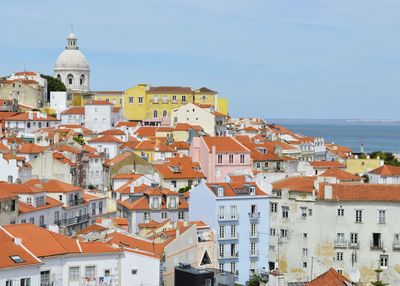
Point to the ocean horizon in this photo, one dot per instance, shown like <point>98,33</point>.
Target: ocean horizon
<point>376,135</point>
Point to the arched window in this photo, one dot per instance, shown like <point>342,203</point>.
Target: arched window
<point>155,114</point>
<point>164,113</point>
<point>82,79</point>
<point>70,79</point>
<point>59,77</point>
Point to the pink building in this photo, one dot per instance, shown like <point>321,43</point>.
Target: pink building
<point>220,156</point>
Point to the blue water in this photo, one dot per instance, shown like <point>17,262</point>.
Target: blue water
<point>375,136</point>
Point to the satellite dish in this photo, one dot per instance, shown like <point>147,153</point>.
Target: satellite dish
<point>354,274</point>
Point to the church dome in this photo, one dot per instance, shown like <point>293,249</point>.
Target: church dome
<point>71,60</point>
<point>72,67</point>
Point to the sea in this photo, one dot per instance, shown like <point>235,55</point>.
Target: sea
<point>382,135</point>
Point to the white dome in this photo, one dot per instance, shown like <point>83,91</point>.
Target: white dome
<point>71,60</point>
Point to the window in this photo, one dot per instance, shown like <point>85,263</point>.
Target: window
<point>381,216</point>
<point>358,216</point>
<point>242,159</point>
<point>9,282</point>
<point>155,114</point>
<point>165,114</point>
<point>164,215</point>
<point>340,212</point>
<point>284,233</point>
<point>233,230</point>
<point>221,212</point>
<point>253,230</point>
<point>303,213</point>
<point>174,98</point>
<point>165,99</point>
<point>279,193</point>
<point>155,98</point>
<point>339,256</point>
<point>309,212</point>
<point>221,267</point>
<point>140,100</point>
<point>231,159</point>
<point>173,183</point>
<point>82,79</point>
<point>181,215</point>
<point>305,235</point>
<point>146,216</point>
<point>25,282</point>
<point>304,264</point>
<point>13,205</point>
<point>285,212</point>
<point>253,248</point>
<point>73,273</point>
<point>56,217</point>
<point>183,98</point>
<point>353,238</point>
<point>32,220</point>
<point>208,282</point>
<point>383,261</point>
<point>221,250</point>
<point>272,231</point>
<point>273,207</point>
<point>41,221</point>
<point>17,259</point>
<point>70,79</point>
<point>305,251</point>
<point>220,192</point>
<point>219,159</point>
<point>233,212</point>
<point>221,231</point>
<point>107,272</point>
<point>90,271</point>
<point>134,271</point>
<point>130,99</point>
<point>28,125</point>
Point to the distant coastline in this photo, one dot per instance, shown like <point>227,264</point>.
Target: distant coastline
<point>302,121</point>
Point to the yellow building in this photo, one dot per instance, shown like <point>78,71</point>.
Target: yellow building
<point>205,96</point>
<point>222,106</point>
<point>362,166</point>
<point>115,97</point>
<point>155,104</point>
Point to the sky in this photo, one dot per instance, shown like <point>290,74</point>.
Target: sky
<point>272,59</point>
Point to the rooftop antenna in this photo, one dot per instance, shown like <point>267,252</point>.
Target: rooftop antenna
<point>72,28</point>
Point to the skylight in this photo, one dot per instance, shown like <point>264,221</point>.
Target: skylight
<point>17,258</point>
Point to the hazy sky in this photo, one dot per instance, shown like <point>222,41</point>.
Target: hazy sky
<point>274,59</point>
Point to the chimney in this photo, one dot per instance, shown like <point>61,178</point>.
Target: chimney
<point>278,150</point>
<point>30,115</point>
<point>132,188</point>
<point>177,232</point>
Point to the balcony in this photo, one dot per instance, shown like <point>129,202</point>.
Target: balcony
<point>72,203</point>
<point>354,245</point>
<point>232,237</point>
<point>376,245</point>
<point>229,256</point>
<point>254,234</point>
<point>228,218</point>
<point>340,243</point>
<point>74,220</point>
<point>253,253</point>
<point>396,245</point>
<point>254,216</point>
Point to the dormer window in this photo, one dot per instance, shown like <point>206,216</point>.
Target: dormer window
<point>155,204</point>
<point>172,202</point>
<point>252,191</point>
<point>220,192</point>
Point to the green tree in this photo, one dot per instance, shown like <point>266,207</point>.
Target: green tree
<point>378,281</point>
<point>387,157</point>
<point>254,280</point>
<point>53,84</point>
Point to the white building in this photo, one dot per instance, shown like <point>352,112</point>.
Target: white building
<point>212,122</point>
<point>58,101</point>
<point>72,67</point>
<point>74,115</point>
<point>98,115</point>
<point>385,174</point>
<point>239,213</point>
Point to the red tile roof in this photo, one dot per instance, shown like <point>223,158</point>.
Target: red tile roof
<point>296,184</point>
<point>180,168</point>
<point>112,132</point>
<point>234,188</point>
<point>225,144</point>
<point>25,117</point>
<point>146,131</point>
<point>74,110</point>
<point>361,192</point>
<point>53,186</point>
<point>327,164</point>
<point>330,278</point>
<point>106,139</point>
<point>99,102</point>
<point>386,171</point>
<point>27,208</point>
<point>170,89</point>
<point>340,175</point>
<point>9,248</point>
